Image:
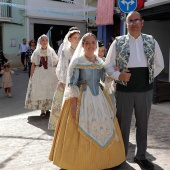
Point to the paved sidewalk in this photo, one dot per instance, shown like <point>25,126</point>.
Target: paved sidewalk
<point>25,141</point>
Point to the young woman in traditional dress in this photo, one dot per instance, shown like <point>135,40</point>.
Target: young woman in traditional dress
<point>87,135</point>
<point>70,43</point>
<point>43,79</point>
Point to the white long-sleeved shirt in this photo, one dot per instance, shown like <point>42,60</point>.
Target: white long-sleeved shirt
<point>137,57</point>
<point>23,48</point>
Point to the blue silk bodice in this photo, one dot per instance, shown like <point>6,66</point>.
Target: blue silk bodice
<point>88,75</point>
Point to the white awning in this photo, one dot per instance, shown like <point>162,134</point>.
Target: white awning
<point>154,3</point>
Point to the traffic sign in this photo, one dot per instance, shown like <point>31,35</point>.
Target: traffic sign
<point>127,6</point>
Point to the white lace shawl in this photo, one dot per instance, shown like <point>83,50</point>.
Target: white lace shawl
<point>52,57</point>
<point>62,67</point>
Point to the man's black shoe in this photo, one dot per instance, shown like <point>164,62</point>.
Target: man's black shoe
<point>144,164</point>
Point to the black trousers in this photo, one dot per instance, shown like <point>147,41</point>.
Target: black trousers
<point>29,68</point>
<point>23,58</point>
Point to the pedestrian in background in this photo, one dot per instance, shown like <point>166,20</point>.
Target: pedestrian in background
<point>43,80</point>
<point>102,50</point>
<point>70,43</point>
<point>7,79</point>
<point>140,59</point>
<point>22,49</point>
<point>28,54</point>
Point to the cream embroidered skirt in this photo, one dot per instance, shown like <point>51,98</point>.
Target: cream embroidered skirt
<point>92,140</point>
<point>41,88</point>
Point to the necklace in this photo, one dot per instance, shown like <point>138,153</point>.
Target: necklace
<point>89,58</point>
<point>73,48</point>
<point>44,48</point>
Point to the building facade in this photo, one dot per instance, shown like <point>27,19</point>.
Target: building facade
<point>156,14</point>
<point>29,19</point>
<point>13,29</point>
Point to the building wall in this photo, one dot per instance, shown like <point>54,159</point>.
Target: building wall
<point>15,30</point>
<point>52,6</point>
<point>161,35</point>
<point>51,18</point>
<point>92,14</point>
<point>23,20</point>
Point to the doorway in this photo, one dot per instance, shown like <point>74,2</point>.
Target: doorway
<point>57,33</point>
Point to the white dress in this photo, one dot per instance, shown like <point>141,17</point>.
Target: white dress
<point>43,83</point>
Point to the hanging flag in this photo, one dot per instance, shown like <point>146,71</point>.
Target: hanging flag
<point>49,36</point>
<point>140,4</point>
<point>105,11</point>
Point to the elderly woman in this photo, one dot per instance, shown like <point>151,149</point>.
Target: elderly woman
<point>43,80</point>
<point>87,134</point>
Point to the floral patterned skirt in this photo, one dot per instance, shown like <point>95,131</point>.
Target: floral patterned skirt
<point>56,108</point>
<point>41,88</point>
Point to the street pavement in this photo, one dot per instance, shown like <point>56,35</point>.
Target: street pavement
<point>25,141</point>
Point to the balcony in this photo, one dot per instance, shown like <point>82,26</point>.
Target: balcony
<point>5,11</point>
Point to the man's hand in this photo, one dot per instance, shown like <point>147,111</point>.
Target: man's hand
<point>125,76</point>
